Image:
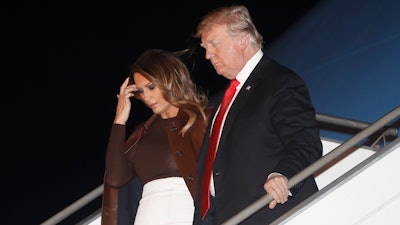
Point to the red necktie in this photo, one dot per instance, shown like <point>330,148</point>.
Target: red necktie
<point>212,147</point>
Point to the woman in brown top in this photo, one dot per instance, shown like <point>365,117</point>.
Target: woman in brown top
<point>162,151</point>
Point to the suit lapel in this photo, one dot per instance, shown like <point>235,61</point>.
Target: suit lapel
<point>244,95</point>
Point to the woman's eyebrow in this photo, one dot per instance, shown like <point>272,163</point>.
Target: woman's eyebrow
<point>148,84</point>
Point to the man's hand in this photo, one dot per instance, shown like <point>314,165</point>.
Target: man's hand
<point>277,187</point>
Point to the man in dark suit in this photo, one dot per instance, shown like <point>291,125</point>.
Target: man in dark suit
<point>269,132</point>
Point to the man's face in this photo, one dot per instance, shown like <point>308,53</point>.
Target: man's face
<point>224,52</point>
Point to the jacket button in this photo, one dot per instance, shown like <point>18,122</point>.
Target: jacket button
<point>190,178</point>
<point>174,129</point>
<point>179,153</point>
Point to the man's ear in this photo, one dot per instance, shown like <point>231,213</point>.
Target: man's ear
<point>245,41</point>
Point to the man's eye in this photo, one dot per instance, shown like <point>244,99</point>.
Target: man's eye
<point>215,44</point>
<point>151,86</point>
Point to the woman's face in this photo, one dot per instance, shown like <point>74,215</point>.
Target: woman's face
<point>150,94</point>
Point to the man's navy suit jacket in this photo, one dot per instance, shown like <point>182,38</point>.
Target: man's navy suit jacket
<point>271,127</point>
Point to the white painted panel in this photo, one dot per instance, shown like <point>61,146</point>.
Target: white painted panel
<point>369,196</point>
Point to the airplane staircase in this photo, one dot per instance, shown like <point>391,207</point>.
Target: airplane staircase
<point>356,178</point>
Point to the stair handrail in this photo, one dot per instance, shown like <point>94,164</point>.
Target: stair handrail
<point>323,161</point>
<point>60,216</point>
<point>384,132</point>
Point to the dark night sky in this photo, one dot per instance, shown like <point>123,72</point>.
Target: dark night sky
<point>62,66</point>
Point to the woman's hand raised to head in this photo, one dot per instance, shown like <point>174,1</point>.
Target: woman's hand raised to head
<point>124,103</point>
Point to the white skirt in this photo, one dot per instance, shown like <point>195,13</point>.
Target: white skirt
<point>165,201</point>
